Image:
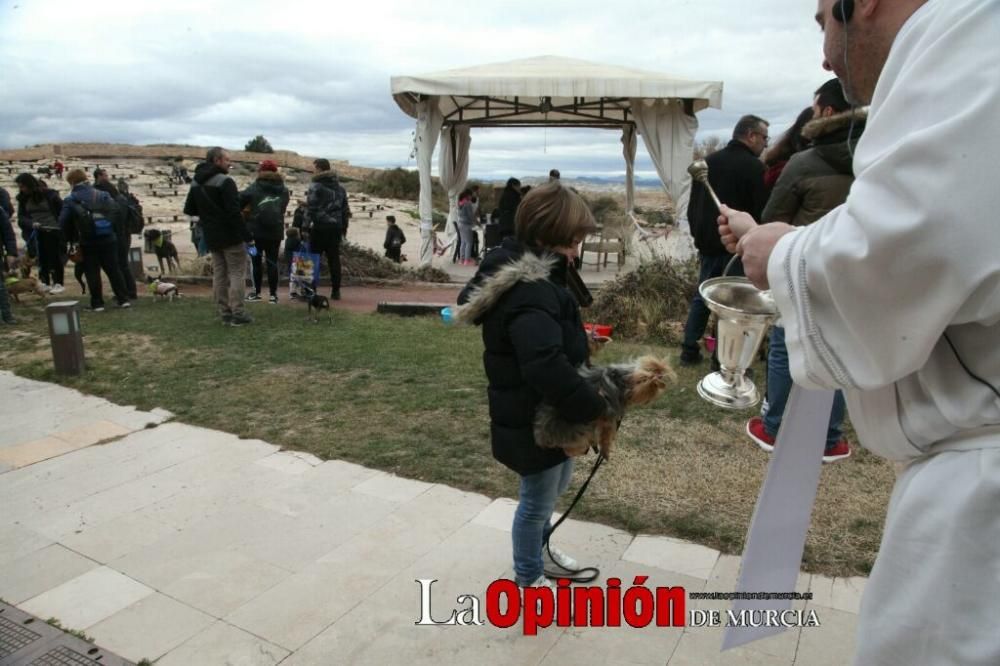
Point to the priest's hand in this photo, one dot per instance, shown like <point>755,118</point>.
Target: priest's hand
<point>733,225</point>
<point>753,242</point>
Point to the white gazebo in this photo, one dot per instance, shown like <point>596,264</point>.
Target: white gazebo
<point>550,91</point>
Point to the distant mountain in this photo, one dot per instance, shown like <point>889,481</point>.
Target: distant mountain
<point>600,182</point>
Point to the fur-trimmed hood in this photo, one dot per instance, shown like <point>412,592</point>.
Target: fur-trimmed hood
<point>822,127</point>
<point>487,288</point>
<point>328,178</point>
<point>271,177</point>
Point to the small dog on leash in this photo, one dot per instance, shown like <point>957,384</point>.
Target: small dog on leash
<point>24,284</point>
<point>165,291</point>
<point>165,250</point>
<point>317,303</point>
<point>622,385</point>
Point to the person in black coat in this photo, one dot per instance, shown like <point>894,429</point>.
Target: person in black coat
<point>328,215</point>
<point>266,201</point>
<point>736,173</point>
<point>215,199</point>
<point>510,199</point>
<point>394,240</point>
<point>38,210</point>
<point>8,249</point>
<point>535,342</point>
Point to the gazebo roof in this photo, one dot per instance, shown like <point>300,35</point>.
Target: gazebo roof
<point>548,90</point>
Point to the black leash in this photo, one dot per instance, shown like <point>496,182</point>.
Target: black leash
<point>586,574</point>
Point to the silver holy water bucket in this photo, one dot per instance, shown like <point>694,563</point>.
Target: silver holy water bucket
<point>744,314</point>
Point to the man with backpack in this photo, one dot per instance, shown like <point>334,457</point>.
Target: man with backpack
<point>88,218</point>
<point>327,218</point>
<point>264,203</point>
<point>129,222</point>
<point>214,198</point>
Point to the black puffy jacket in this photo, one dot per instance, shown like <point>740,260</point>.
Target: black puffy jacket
<point>268,199</point>
<point>214,198</point>
<point>737,176</point>
<point>534,343</point>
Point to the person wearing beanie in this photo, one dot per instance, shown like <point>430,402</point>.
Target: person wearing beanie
<point>264,203</point>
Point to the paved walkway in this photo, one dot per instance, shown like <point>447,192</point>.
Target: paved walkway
<point>192,546</point>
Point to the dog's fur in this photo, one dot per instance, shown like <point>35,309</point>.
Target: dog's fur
<point>623,386</point>
<point>165,291</point>
<point>165,251</point>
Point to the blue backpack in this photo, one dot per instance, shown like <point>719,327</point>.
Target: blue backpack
<point>90,226</point>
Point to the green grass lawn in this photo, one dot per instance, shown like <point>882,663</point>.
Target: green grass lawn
<point>408,396</point>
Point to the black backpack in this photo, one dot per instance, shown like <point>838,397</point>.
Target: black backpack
<point>89,227</point>
<point>131,213</point>
<point>266,210</point>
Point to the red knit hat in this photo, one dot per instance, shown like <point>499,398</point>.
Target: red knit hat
<point>268,165</point>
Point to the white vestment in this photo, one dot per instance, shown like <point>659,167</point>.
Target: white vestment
<point>868,295</point>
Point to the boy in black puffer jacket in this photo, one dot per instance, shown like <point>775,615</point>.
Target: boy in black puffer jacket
<point>534,341</point>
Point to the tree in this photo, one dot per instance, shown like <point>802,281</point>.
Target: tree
<point>707,146</point>
<point>258,144</point>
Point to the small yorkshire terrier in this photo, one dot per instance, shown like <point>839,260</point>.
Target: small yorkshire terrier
<point>622,385</point>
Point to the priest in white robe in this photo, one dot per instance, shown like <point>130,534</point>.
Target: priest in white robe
<point>894,297</point>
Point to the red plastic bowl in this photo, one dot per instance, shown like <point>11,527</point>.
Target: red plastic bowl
<point>600,330</point>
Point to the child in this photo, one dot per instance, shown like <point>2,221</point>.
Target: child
<point>293,243</point>
<point>394,239</point>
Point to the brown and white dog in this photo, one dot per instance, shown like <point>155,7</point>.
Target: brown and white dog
<point>623,385</point>
<point>25,284</point>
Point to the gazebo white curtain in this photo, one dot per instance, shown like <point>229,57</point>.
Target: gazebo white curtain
<point>429,121</point>
<point>628,152</point>
<point>550,91</point>
<point>453,167</point>
<point>668,134</point>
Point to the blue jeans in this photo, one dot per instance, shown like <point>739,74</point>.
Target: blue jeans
<point>711,266</point>
<point>779,385</point>
<point>531,520</point>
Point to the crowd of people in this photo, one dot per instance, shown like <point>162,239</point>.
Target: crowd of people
<point>93,227</point>
<point>806,174</point>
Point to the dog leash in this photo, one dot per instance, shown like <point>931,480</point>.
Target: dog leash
<point>586,574</point>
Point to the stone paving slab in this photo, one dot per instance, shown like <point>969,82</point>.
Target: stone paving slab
<point>193,546</point>
<point>150,628</point>
<point>40,571</point>
<point>87,599</point>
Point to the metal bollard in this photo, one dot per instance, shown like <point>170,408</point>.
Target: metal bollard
<point>66,337</point>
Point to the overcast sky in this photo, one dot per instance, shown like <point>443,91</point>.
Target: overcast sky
<point>314,76</point>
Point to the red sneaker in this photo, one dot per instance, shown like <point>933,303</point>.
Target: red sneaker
<point>838,451</point>
<point>755,428</point>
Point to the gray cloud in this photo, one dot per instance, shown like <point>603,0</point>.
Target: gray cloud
<point>315,78</point>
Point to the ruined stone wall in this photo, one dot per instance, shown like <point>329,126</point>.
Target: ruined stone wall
<point>284,158</point>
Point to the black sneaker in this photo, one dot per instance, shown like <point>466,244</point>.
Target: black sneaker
<point>273,300</point>
<point>226,319</point>
<point>240,319</point>
<point>335,295</point>
<point>253,297</point>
